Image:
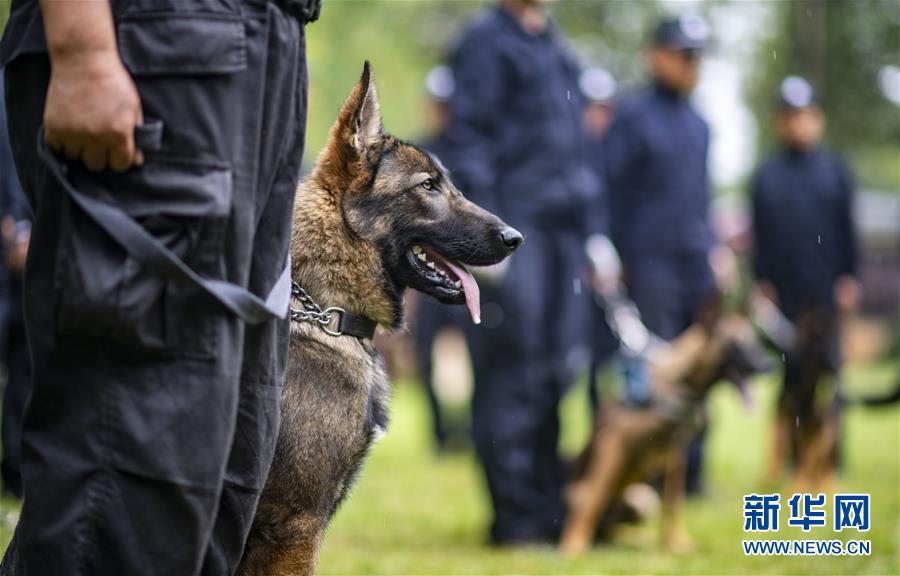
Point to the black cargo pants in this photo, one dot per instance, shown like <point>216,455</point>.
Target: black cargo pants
<point>155,411</point>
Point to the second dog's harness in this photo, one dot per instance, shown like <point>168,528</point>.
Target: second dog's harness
<point>347,324</point>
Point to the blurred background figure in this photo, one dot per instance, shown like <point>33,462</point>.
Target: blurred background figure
<point>806,256</point>
<point>656,173</point>
<point>516,147</point>
<point>15,226</point>
<point>432,318</point>
<point>805,253</point>
<point>599,89</point>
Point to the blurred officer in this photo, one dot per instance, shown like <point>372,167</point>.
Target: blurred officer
<point>805,242</point>
<point>599,89</point>
<point>157,273</point>
<point>656,173</point>
<point>431,316</point>
<point>516,138</point>
<point>15,225</point>
<point>806,254</point>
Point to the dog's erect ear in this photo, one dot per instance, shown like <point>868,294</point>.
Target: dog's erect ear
<point>354,136</point>
<point>367,119</point>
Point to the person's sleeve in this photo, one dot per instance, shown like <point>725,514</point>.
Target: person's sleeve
<point>762,248</point>
<point>620,155</point>
<point>848,246</point>
<point>475,110</point>
<point>597,217</point>
<point>711,238</point>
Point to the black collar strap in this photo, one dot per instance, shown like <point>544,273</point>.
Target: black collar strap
<point>358,326</point>
<point>347,324</point>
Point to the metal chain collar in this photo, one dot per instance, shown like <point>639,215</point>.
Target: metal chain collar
<point>312,312</point>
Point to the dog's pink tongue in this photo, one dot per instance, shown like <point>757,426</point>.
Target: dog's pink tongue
<point>470,288</point>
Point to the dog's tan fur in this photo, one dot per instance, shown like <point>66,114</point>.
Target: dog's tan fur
<point>356,219</point>
<point>628,444</point>
<point>340,267</point>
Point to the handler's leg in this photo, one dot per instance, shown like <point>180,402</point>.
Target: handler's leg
<point>266,345</point>
<point>136,379</point>
<point>514,405</point>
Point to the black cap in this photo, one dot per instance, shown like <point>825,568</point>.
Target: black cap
<point>795,93</point>
<point>688,32</point>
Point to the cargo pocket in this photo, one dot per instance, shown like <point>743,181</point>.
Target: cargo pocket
<point>103,291</point>
<point>181,196</point>
<point>181,43</point>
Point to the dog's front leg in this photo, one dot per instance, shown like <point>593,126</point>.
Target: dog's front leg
<point>590,495</point>
<point>294,556</point>
<point>674,539</point>
<point>781,439</point>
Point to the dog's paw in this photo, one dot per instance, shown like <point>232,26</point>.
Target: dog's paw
<point>679,544</point>
<point>574,543</point>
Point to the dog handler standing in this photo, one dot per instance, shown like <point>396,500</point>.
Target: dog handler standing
<point>159,143</point>
<point>806,257</point>
<point>516,144</point>
<point>657,182</point>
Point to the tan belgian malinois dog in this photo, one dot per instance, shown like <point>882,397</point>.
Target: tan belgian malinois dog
<point>630,443</point>
<point>375,217</point>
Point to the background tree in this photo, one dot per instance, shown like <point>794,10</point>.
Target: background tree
<point>843,47</point>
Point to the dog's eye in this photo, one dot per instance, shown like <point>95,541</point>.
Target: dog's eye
<point>428,185</point>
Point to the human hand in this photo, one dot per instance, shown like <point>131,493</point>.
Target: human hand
<point>765,290</point>
<point>847,294</point>
<point>15,238</point>
<point>724,265</point>
<point>92,109</point>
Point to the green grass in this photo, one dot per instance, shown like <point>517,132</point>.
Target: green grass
<point>414,513</point>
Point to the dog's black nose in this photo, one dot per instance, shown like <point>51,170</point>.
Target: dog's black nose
<point>511,238</point>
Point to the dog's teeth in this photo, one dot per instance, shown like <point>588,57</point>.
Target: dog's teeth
<point>458,284</point>
<point>422,256</point>
<point>431,265</point>
<point>417,249</point>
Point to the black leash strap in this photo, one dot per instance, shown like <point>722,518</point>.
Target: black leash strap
<point>150,252</point>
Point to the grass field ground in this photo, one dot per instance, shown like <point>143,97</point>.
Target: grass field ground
<point>415,513</point>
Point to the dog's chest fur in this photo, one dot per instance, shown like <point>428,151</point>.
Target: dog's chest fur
<point>334,407</point>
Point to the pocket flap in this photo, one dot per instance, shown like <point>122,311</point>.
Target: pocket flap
<point>163,185</point>
<point>177,43</point>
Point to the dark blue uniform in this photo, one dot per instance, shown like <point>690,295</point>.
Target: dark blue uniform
<point>803,228</point>
<point>516,148</point>
<point>658,187</point>
<point>156,393</point>
<point>13,344</point>
<point>804,240</point>
<point>657,182</point>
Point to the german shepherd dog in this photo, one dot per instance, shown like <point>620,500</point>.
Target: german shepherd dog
<point>377,215</point>
<point>630,443</point>
<point>808,418</point>
<point>807,421</point>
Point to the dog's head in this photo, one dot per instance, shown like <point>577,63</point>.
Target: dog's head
<point>744,354</point>
<point>733,351</point>
<point>401,211</point>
